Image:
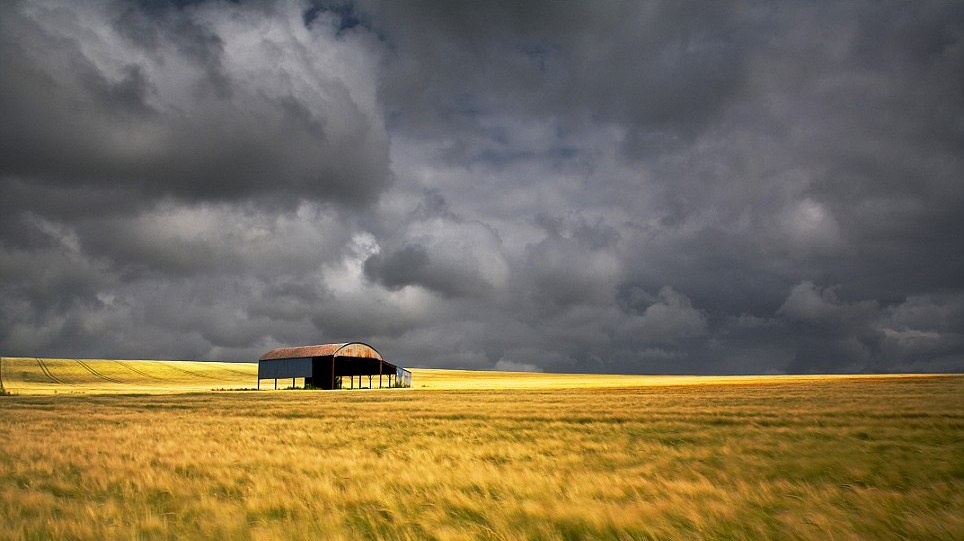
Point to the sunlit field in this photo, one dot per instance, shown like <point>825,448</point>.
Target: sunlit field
<point>30,375</point>
<point>148,450</point>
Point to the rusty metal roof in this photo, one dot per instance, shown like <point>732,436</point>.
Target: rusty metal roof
<point>345,349</point>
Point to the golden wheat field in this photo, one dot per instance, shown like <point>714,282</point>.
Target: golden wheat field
<point>148,450</point>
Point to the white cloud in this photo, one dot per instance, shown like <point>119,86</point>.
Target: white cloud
<point>810,226</point>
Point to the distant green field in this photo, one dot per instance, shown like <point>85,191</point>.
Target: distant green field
<point>145,450</point>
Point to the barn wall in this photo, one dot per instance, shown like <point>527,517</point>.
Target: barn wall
<point>284,368</point>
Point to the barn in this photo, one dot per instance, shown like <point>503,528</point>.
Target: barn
<point>325,366</point>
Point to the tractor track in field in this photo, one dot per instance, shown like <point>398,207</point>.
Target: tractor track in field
<point>46,370</point>
<point>235,371</point>
<point>93,371</point>
<point>195,374</point>
<point>139,371</point>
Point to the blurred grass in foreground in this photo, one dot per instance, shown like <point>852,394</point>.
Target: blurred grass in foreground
<point>535,457</point>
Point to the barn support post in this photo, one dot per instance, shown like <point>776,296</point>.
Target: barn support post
<point>380,365</point>
<point>369,381</point>
<point>292,383</point>
<point>333,372</point>
<point>276,384</point>
<point>259,384</point>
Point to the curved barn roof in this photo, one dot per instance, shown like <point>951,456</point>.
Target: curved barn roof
<point>345,349</point>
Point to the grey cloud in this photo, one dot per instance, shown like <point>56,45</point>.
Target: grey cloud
<point>664,71</point>
<point>150,26</point>
<point>288,301</point>
<point>731,188</point>
<point>670,318</point>
<point>808,303</point>
<point>592,234</point>
<point>99,108</point>
<point>560,272</point>
<point>439,250</point>
<point>917,332</point>
<point>398,269</point>
<point>512,366</point>
<point>411,265</point>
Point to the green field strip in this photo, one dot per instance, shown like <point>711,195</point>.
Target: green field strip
<point>46,371</point>
<point>139,371</point>
<point>93,371</point>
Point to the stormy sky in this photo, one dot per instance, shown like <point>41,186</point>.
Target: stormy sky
<point>638,187</point>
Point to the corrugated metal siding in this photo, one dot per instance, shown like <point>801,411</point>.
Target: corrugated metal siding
<point>284,368</point>
<point>358,351</point>
<point>404,376</point>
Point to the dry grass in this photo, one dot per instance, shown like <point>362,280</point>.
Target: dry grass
<point>533,457</point>
<point>31,375</point>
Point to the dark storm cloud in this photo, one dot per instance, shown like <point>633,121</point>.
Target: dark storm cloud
<point>439,251</point>
<point>619,187</point>
<point>663,69</point>
<point>144,100</point>
<point>152,147</point>
<point>402,268</point>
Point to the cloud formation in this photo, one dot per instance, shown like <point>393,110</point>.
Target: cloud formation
<point>644,188</point>
<point>195,103</point>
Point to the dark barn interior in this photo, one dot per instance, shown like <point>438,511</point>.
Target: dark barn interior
<point>327,366</point>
